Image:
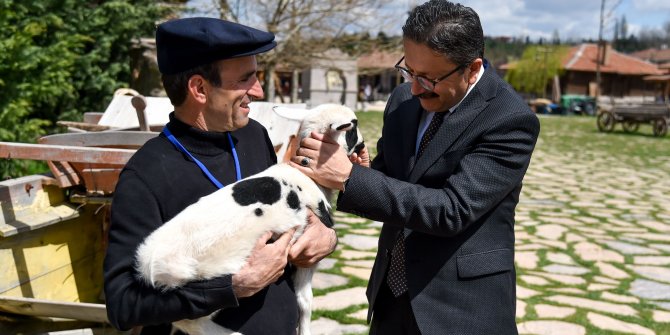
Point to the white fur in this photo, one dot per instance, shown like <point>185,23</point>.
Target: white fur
<point>326,119</point>
<point>334,121</point>
<point>215,235</point>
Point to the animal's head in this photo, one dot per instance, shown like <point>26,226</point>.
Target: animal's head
<point>282,183</point>
<point>337,121</point>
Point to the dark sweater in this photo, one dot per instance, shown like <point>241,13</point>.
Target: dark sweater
<point>159,182</point>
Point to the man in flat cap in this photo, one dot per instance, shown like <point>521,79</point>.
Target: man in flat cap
<point>209,74</point>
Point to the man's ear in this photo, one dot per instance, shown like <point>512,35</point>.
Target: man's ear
<point>196,88</point>
<point>476,66</point>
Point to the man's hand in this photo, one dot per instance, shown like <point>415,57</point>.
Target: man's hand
<point>317,242</point>
<point>328,164</point>
<point>362,159</point>
<point>265,265</point>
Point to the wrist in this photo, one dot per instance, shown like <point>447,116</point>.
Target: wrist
<point>343,185</point>
<point>237,290</point>
<point>333,241</point>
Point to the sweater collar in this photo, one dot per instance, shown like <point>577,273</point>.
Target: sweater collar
<point>197,141</point>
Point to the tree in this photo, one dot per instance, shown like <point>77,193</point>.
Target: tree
<point>537,66</point>
<point>503,50</point>
<point>623,26</point>
<point>601,43</point>
<point>615,40</point>
<point>555,38</point>
<point>61,58</point>
<point>304,29</point>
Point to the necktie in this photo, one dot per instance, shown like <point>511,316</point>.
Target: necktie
<point>397,278</point>
<point>428,135</point>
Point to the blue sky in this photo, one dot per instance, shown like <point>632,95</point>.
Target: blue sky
<point>575,19</point>
<point>572,18</point>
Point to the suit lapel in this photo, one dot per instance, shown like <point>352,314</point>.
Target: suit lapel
<point>409,122</point>
<point>454,125</point>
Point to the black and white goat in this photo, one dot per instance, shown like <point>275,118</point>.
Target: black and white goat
<point>216,235</point>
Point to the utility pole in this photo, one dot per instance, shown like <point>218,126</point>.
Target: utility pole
<point>601,43</point>
<point>600,46</point>
<point>545,52</point>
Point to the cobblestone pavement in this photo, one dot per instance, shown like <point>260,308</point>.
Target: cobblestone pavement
<point>592,251</point>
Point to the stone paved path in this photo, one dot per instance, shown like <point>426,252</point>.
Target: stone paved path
<point>592,251</point>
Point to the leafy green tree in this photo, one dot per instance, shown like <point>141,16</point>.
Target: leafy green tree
<point>538,64</point>
<point>501,50</point>
<point>61,58</point>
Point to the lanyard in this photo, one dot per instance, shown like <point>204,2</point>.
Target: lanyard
<point>202,167</point>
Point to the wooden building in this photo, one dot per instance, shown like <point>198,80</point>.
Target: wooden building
<point>621,75</point>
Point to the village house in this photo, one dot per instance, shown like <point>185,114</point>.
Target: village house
<point>621,75</point>
<point>661,57</point>
<point>376,73</point>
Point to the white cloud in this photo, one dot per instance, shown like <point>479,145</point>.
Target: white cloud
<point>652,5</point>
<point>575,19</point>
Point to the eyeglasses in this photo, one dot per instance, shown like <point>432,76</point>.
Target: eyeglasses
<point>428,84</point>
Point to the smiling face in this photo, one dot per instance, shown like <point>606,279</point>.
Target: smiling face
<point>422,60</point>
<point>227,107</point>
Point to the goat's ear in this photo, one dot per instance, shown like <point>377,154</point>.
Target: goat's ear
<point>342,126</point>
<point>324,215</point>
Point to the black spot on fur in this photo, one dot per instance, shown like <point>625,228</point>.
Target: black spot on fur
<point>265,190</point>
<point>351,137</point>
<point>292,200</point>
<point>324,215</point>
<point>258,212</point>
<point>284,182</point>
<point>299,188</point>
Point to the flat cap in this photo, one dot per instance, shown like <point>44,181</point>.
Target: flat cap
<point>184,44</point>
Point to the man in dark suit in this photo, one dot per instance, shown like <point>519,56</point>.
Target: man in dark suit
<point>455,146</point>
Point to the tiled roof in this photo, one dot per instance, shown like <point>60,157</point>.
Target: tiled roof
<point>379,59</point>
<point>653,55</point>
<point>583,58</point>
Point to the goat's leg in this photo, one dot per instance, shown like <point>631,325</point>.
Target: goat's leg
<point>203,326</point>
<point>303,291</point>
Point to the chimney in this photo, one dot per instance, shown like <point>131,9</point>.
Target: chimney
<point>605,52</point>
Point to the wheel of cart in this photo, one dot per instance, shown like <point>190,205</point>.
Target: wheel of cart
<point>630,126</point>
<point>660,127</point>
<point>606,122</point>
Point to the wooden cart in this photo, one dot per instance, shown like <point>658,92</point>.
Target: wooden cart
<point>631,116</point>
<point>53,230</point>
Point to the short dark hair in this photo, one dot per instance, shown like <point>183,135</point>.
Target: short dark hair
<point>176,85</point>
<point>448,28</point>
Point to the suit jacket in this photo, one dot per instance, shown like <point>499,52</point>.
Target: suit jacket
<point>455,206</point>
